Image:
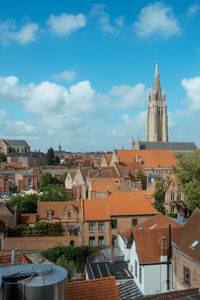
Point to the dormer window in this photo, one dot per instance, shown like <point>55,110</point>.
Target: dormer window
<point>69,214</point>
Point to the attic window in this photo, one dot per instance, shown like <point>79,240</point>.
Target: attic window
<point>194,244</point>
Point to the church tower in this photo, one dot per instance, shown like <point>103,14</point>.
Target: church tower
<point>157,121</point>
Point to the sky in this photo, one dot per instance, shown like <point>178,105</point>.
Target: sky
<point>77,73</point>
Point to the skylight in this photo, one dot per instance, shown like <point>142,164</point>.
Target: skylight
<point>194,244</point>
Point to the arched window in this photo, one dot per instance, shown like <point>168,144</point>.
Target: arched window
<point>71,243</point>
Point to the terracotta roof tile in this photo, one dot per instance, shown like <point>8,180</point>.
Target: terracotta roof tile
<point>149,158</point>
<point>56,207</point>
<point>108,157</point>
<point>27,218</point>
<point>118,203</point>
<point>156,222</point>
<point>21,258</point>
<point>131,167</point>
<point>148,243</point>
<point>96,210</point>
<point>105,184</point>
<point>159,222</point>
<point>101,289</point>
<point>188,235</point>
<point>130,203</point>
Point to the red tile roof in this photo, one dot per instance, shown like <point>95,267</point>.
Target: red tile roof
<point>96,209</point>
<point>21,258</point>
<point>188,235</point>
<point>101,289</point>
<point>148,243</point>
<point>27,218</point>
<point>118,203</point>
<point>105,184</point>
<point>149,158</point>
<point>130,203</point>
<point>56,207</point>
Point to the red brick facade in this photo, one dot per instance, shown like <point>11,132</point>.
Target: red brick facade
<point>179,262</point>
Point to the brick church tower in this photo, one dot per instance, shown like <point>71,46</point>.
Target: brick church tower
<point>157,121</point>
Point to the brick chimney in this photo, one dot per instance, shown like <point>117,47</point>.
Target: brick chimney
<point>164,248</point>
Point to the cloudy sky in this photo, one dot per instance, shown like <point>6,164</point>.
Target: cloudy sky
<point>77,73</point>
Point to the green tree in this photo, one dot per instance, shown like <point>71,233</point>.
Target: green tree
<point>67,264</point>
<point>3,157</point>
<point>55,192</point>
<point>25,204</point>
<point>140,177</point>
<point>57,160</point>
<point>50,157</point>
<point>62,178</point>
<point>45,180</point>
<point>47,229</point>
<point>187,172</point>
<point>19,230</point>
<point>159,195</point>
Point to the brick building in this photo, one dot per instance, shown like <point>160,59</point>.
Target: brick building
<point>67,213</point>
<point>186,254</point>
<point>106,217</point>
<point>174,197</point>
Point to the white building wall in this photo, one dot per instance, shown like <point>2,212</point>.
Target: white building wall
<point>122,246</point>
<point>153,277</point>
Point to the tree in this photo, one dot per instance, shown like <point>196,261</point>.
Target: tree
<point>140,177</point>
<point>67,264</point>
<point>50,157</point>
<point>159,195</point>
<point>57,160</point>
<point>25,204</point>
<point>55,192</point>
<point>3,157</point>
<point>187,172</point>
<point>45,180</point>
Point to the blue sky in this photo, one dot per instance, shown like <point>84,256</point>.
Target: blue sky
<point>77,73</point>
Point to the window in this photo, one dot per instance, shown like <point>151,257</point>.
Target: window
<point>114,224</point>
<point>101,226</point>
<point>140,274</point>
<point>30,183</point>
<point>135,268</point>
<point>71,243</point>
<point>91,226</point>
<point>172,196</point>
<point>186,274</point>
<point>134,222</point>
<point>179,196</point>
<point>69,214</point>
<point>172,209</point>
<point>101,241</point>
<point>91,241</point>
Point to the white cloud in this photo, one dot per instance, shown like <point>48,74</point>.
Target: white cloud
<point>192,88</point>
<point>136,123</point>
<point>2,113</point>
<point>126,97</point>
<point>24,35</point>
<point>104,19</point>
<point>157,19</point>
<point>193,9</point>
<point>65,24</point>
<point>65,76</point>
<point>119,21</point>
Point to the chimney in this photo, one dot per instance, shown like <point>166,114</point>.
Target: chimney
<point>164,246</point>
<point>112,249</point>
<point>14,256</point>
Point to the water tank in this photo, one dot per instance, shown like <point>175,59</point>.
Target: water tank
<point>33,282</point>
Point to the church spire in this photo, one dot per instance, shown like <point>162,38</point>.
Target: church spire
<point>156,86</point>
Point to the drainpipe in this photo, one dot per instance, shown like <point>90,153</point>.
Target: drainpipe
<point>169,257</point>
